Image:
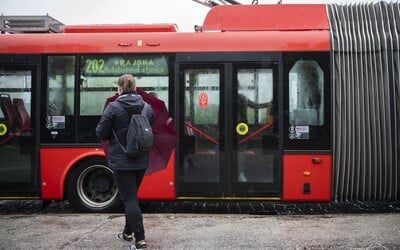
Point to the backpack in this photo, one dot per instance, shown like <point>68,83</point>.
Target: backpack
<point>139,136</point>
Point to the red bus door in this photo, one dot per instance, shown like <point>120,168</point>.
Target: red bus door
<point>19,176</point>
<point>229,130</point>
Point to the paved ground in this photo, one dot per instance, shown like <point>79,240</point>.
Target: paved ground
<point>28,225</point>
<point>203,231</point>
<point>233,207</point>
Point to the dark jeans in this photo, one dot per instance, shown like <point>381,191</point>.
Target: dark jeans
<point>128,183</point>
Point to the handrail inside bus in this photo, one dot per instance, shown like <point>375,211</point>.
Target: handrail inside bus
<point>201,133</point>
<point>16,133</point>
<point>265,127</point>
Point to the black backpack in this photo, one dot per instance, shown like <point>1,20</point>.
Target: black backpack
<point>139,136</point>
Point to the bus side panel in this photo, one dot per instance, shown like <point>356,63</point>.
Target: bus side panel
<point>307,177</point>
<point>159,185</point>
<point>55,164</point>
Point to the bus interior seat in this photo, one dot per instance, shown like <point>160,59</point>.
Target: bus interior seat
<point>9,111</point>
<point>269,115</point>
<point>24,120</point>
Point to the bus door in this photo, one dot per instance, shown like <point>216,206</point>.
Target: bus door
<point>19,175</point>
<point>255,133</point>
<point>229,131</point>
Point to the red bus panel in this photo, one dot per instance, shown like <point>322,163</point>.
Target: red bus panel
<point>160,185</point>
<point>307,177</point>
<point>57,162</point>
<point>310,40</point>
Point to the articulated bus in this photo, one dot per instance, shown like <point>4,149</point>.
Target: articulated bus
<point>270,102</point>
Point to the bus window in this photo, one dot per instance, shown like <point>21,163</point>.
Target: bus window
<point>307,106</point>
<point>58,123</point>
<point>96,89</point>
<point>306,98</point>
<point>15,126</point>
<point>202,97</point>
<point>99,78</point>
<point>202,127</point>
<point>60,94</point>
<point>255,99</point>
<point>255,104</point>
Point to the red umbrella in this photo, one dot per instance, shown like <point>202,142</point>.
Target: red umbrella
<point>164,133</point>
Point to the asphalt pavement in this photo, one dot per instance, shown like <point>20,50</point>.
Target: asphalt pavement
<point>69,230</point>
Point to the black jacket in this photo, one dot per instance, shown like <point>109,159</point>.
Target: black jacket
<point>117,116</point>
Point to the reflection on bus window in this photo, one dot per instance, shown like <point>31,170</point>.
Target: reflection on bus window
<point>255,99</point>
<point>306,88</point>
<point>60,96</point>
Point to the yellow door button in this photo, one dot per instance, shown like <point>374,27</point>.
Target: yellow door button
<point>3,129</point>
<point>242,128</point>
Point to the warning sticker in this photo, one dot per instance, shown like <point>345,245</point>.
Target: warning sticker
<point>203,100</point>
<point>299,132</point>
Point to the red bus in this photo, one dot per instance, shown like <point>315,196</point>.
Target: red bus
<point>270,102</point>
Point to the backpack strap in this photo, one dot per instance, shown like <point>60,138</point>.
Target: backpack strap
<point>115,134</point>
<point>116,138</point>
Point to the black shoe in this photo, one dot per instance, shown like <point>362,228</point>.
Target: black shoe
<point>124,237</point>
<point>138,245</point>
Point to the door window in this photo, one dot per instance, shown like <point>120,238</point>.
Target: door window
<point>16,136</point>
<point>201,125</point>
<point>60,97</point>
<point>256,117</point>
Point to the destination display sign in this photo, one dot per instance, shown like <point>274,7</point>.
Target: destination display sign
<point>115,65</point>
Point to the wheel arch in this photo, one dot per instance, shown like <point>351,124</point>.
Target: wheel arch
<point>89,185</point>
<point>79,159</point>
<point>56,164</point>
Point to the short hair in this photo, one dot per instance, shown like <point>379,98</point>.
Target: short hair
<point>127,83</point>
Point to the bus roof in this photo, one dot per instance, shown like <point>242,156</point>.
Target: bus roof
<point>279,30</point>
<point>266,17</point>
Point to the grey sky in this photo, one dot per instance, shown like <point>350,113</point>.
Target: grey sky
<point>185,13</point>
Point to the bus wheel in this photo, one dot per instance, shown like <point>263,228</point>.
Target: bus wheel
<point>90,187</point>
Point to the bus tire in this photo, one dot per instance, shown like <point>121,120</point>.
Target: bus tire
<point>91,187</point>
